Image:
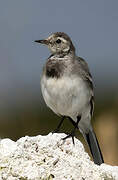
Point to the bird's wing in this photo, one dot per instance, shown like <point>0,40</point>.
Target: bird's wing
<point>84,72</point>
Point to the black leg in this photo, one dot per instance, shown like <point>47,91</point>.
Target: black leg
<point>73,122</point>
<point>72,134</point>
<point>59,125</point>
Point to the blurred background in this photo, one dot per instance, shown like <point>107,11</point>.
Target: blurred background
<point>93,27</point>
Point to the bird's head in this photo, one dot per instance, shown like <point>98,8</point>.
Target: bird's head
<point>58,43</point>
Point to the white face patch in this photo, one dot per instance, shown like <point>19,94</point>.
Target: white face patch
<point>65,45</point>
<point>66,49</point>
<point>63,40</point>
<point>56,47</point>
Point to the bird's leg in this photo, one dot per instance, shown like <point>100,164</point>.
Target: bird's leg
<point>72,134</point>
<point>59,125</point>
<point>75,124</point>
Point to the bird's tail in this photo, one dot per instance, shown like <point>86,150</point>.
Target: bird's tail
<point>94,147</point>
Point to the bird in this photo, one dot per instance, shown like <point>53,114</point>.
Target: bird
<point>67,89</point>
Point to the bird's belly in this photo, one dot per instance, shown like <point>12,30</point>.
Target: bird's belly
<point>65,96</point>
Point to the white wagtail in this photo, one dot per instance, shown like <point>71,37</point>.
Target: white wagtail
<point>67,89</point>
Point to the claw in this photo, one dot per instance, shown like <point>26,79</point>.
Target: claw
<point>72,134</point>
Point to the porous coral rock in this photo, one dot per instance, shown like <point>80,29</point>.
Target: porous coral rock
<point>49,157</point>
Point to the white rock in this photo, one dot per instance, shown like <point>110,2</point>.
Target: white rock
<point>7,146</point>
<point>41,157</point>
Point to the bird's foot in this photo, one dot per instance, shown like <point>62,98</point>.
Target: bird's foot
<point>72,134</point>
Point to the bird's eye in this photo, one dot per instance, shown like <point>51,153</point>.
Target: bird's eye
<point>58,41</point>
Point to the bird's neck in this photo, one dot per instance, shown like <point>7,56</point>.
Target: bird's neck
<point>63,54</point>
<point>57,63</point>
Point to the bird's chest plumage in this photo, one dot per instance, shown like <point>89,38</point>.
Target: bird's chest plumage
<point>65,95</point>
<point>54,68</point>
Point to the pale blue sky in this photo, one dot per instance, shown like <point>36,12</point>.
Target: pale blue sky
<point>92,25</point>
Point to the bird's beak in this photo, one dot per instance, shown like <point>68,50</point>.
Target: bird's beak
<point>42,41</point>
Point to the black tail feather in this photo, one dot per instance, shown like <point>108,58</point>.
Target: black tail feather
<point>94,147</point>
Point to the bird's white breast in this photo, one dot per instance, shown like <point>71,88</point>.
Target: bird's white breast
<point>65,96</point>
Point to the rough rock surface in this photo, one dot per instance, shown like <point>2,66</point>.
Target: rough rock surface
<point>49,157</point>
